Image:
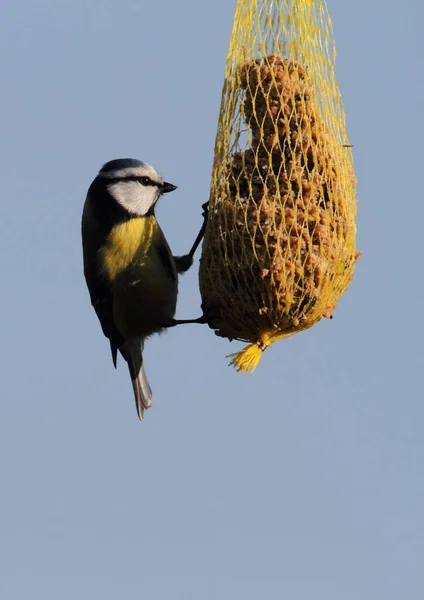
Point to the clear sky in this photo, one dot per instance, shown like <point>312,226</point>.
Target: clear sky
<point>305,480</point>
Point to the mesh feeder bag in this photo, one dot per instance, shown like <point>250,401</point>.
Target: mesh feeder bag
<point>279,247</point>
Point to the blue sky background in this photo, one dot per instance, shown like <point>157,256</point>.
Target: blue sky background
<point>305,480</point>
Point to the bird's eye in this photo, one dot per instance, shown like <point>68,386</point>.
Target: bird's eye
<point>145,181</point>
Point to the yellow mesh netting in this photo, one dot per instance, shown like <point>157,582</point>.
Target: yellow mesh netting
<point>279,247</point>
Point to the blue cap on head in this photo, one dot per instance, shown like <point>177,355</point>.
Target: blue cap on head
<point>120,163</point>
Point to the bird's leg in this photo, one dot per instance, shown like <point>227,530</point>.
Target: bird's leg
<point>175,322</point>
<point>205,214</point>
<point>208,314</point>
<point>183,263</point>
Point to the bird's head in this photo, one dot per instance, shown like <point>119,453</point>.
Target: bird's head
<point>134,185</point>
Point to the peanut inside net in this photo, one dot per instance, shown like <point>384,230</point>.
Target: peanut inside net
<point>279,248</point>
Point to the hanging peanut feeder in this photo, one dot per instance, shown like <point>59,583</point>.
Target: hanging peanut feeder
<point>279,247</point>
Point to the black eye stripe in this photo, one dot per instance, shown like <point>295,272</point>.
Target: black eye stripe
<point>143,180</point>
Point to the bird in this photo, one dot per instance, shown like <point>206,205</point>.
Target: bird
<point>130,271</point>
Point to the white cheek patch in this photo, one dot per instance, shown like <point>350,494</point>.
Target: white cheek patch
<point>133,196</point>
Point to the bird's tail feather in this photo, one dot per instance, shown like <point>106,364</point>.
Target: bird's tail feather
<point>142,391</point>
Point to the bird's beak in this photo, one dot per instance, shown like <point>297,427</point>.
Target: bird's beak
<point>167,187</point>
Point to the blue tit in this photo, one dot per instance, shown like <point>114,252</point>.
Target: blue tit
<point>131,274</point>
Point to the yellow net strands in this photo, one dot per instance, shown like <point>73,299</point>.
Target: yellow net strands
<point>279,247</point>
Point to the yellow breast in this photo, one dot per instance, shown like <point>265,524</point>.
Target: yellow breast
<point>129,244</point>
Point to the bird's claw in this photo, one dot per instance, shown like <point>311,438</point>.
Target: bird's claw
<point>205,210</point>
<point>210,313</point>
